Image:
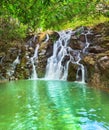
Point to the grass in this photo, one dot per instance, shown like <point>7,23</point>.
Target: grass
<point>88,21</point>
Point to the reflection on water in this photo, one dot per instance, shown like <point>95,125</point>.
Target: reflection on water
<point>52,105</point>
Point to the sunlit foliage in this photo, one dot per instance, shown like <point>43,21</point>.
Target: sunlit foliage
<point>51,13</point>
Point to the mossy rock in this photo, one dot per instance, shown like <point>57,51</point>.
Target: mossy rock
<point>72,72</point>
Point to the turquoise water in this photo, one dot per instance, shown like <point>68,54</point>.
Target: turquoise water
<point>52,105</point>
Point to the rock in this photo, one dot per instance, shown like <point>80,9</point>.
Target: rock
<point>73,37</point>
<point>42,52</point>
<point>96,49</point>
<point>82,38</point>
<point>76,44</point>
<point>31,50</point>
<point>41,37</point>
<point>96,60</point>
<point>103,63</point>
<point>53,36</point>
<point>43,45</point>
<point>49,50</point>
<point>41,65</point>
<point>72,72</point>
<point>89,60</point>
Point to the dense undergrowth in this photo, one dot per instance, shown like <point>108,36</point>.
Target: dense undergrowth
<point>21,18</point>
<point>12,29</point>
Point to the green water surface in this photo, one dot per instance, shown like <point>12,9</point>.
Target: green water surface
<point>52,105</point>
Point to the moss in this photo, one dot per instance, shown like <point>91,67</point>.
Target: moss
<point>90,60</point>
<point>99,80</point>
<point>72,72</point>
<point>90,21</point>
<point>22,73</point>
<point>41,74</point>
<point>98,56</point>
<point>42,46</point>
<point>54,36</point>
<point>11,29</point>
<point>41,37</point>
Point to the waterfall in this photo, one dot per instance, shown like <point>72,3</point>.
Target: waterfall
<point>81,66</point>
<point>47,38</point>
<point>87,43</point>
<point>55,68</point>
<point>1,59</point>
<point>33,60</point>
<point>16,61</point>
<point>63,54</point>
<point>13,66</point>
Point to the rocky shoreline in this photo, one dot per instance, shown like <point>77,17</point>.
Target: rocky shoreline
<point>15,56</point>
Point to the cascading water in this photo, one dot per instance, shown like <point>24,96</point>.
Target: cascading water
<point>33,59</point>
<point>70,47</point>
<point>55,69</point>
<point>81,67</point>
<point>13,66</point>
<point>47,38</point>
<point>16,61</point>
<point>1,59</point>
<point>86,43</point>
<point>58,70</point>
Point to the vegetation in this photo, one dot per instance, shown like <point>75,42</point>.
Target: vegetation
<point>19,17</point>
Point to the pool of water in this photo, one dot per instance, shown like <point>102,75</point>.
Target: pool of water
<point>52,105</point>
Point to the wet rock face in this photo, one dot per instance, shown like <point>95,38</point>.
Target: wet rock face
<point>77,44</point>
<point>96,60</point>
<point>25,51</point>
<point>103,63</point>
<point>96,49</point>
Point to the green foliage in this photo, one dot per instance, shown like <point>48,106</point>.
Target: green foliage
<point>11,29</point>
<point>90,21</point>
<point>51,14</point>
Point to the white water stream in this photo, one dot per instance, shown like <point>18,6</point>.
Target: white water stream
<point>63,54</point>
<point>16,61</point>
<point>33,60</point>
<point>55,69</point>
<point>11,71</point>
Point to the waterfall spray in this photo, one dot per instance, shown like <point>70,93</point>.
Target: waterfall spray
<point>81,66</point>
<point>56,67</point>
<point>13,66</point>
<point>33,59</point>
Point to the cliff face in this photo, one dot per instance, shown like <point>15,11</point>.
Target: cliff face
<point>15,59</point>
<point>97,60</point>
